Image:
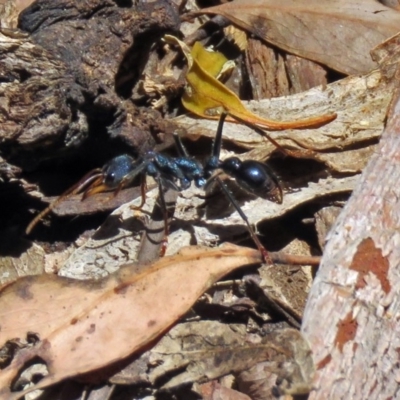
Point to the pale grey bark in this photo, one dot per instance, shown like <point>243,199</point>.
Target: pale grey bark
<point>352,318</point>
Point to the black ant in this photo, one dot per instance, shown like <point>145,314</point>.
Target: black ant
<point>178,173</point>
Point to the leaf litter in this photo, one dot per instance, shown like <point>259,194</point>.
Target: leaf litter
<point>87,325</point>
<point>343,146</point>
<point>196,352</point>
<point>338,34</point>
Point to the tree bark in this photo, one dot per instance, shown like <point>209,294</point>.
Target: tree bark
<point>352,317</point>
<point>68,78</point>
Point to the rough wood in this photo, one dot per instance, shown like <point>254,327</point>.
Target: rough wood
<point>67,80</point>
<point>352,318</point>
<point>266,69</point>
<point>304,74</point>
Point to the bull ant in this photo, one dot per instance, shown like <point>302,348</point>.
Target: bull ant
<point>178,173</point>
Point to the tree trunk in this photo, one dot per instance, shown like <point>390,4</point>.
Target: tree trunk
<point>352,318</point>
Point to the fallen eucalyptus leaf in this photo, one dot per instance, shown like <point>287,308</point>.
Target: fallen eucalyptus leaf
<point>84,326</point>
<point>339,34</point>
<point>344,145</point>
<point>207,97</point>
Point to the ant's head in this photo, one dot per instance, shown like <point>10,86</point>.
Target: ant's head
<point>112,176</point>
<point>116,170</point>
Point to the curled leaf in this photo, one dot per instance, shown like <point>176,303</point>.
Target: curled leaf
<point>205,96</point>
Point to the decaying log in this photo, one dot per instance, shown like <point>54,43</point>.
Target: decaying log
<point>352,318</point>
<point>71,76</point>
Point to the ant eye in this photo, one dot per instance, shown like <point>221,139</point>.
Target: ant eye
<point>109,179</point>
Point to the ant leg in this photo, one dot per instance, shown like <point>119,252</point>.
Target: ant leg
<point>216,148</point>
<point>92,177</point>
<point>163,204</point>
<point>143,190</point>
<point>179,146</point>
<point>253,235</point>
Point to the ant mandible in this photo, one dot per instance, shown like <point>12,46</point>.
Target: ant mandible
<point>178,173</point>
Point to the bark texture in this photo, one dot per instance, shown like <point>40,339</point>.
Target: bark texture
<point>352,318</point>
<point>71,77</point>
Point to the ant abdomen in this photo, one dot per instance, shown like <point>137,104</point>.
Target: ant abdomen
<point>255,177</point>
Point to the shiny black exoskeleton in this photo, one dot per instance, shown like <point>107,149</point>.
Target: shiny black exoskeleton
<point>253,176</point>
<point>179,172</point>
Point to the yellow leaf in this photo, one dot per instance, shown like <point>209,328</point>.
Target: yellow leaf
<point>207,97</point>
<point>211,61</point>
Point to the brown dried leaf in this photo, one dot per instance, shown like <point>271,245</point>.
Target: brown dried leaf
<point>205,350</point>
<point>294,374</point>
<point>215,391</point>
<point>339,34</point>
<point>75,205</point>
<point>83,326</point>
<point>387,55</point>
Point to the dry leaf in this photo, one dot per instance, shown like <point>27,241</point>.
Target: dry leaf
<point>387,55</point>
<point>345,144</point>
<point>215,391</point>
<point>205,350</point>
<point>237,36</point>
<point>339,34</point>
<point>207,97</point>
<point>84,326</point>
